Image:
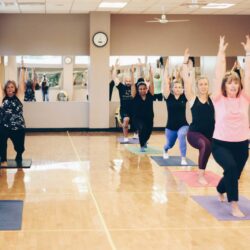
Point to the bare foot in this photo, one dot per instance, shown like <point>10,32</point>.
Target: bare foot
<point>201,179</point>
<point>221,197</point>
<point>236,212</point>
<point>4,164</point>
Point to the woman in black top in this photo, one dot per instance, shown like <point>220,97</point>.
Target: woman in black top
<point>201,129</point>
<point>143,111</point>
<point>12,123</point>
<point>177,125</point>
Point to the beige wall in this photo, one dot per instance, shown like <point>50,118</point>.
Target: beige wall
<point>40,34</point>
<point>131,35</point>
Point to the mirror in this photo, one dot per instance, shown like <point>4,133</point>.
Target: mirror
<point>50,78</point>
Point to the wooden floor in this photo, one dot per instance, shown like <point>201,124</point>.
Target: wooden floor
<point>86,191</point>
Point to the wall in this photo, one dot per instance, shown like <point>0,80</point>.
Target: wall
<point>56,114</point>
<point>131,35</point>
<point>39,34</point>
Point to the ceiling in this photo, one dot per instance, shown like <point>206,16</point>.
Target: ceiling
<point>241,7</point>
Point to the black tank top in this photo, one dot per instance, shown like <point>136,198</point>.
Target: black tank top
<point>176,112</point>
<point>203,118</point>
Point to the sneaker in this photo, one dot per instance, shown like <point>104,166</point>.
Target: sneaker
<point>146,145</point>
<point>165,155</point>
<point>143,149</point>
<point>183,161</point>
<point>125,139</point>
<point>135,136</point>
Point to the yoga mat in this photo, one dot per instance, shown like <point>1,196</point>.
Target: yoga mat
<point>191,178</point>
<point>130,140</point>
<point>11,214</point>
<point>222,210</point>
<point>172,161</point>
<point>149,150</point>
<point>13,164</point>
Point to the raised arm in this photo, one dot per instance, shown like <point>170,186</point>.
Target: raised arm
<point>133,88</point>
<point>114,73</point>
<point>141,71</point>
<point>220,68</point>
<point>1,92</point>
<point>166,81</point>
<point>247,67</point>
<point>187,78</point>
<point>21,85</point>
<point>151,85</point>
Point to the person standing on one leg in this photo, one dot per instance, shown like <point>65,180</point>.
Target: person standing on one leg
<point>177,125</point>
<point>230,139</point>
<point>202,127</point>
<point>12,123</point>
<point>143,111</point>
<point>127,91</point>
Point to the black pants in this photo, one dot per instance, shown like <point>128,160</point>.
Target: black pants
<point>203,144</point>
<point>17,137</point>
<point>231,156</point>
<point>158,97</point>
<point>144,128</point>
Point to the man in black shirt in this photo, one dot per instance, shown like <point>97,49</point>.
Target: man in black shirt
<point>127,92</point>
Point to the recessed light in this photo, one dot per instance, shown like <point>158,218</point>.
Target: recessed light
<point>218,5</point>
<point>114,5</point>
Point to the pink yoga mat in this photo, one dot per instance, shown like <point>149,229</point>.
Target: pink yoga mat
<point>191,178</point>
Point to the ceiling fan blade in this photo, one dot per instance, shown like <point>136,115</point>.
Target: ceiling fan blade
<point>176,21</point>
<point>152,21</point>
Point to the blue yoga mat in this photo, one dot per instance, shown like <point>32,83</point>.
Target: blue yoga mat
<point>11,212</point>
<point>172,161</point>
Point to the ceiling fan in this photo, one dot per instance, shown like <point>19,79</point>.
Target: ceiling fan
<point>194,4</point>
<point>163,19</point>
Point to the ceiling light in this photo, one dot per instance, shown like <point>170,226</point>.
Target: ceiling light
<point>218,5</point>
<point>115,5</point>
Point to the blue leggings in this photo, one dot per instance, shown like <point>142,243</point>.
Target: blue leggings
<point>171,136</point>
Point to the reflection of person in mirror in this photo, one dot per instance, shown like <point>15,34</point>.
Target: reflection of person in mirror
<point>29,95</point>
<point>45,89</point>
<point>12,122</point>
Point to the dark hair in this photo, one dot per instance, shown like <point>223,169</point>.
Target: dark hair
<point>229,77</point>
<point>141,84</point>
<point>191,58</point>
<point>7,84</point>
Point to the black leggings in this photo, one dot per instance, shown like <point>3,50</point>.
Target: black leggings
<point>17,137</point>
<point>144,128</point>
<point>201,142</point>
<point>231,156</point>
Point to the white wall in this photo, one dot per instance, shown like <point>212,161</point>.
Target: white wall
<point>56,114</point>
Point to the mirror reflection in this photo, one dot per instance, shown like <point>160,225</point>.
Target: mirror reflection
<point>50,78</point>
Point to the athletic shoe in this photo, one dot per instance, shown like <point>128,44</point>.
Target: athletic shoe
<point>143,149</point>
<point>135,136</point>
<point>183,161</point>
<point>165,155</point>
<point>125,139</point>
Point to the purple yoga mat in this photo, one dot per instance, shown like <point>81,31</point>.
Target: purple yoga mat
<point>222,210</point>
<point>130,140</point>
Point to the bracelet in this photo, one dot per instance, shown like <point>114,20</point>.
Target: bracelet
<point>248,54</point>
<point>185,63</point>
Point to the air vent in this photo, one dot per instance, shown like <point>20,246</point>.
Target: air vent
<point>32,4</point>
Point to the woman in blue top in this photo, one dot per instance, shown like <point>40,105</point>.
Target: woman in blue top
<point>12,123</point>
